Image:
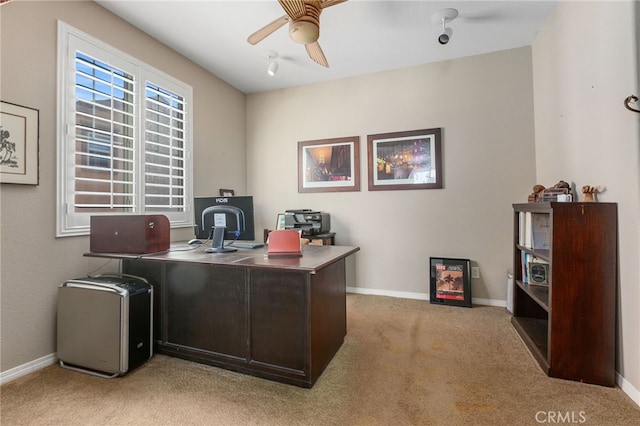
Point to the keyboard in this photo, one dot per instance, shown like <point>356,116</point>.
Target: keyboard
<point>245,245</point>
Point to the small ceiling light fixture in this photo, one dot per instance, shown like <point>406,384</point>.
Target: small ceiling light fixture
<point>272,68</point>
<point>444,16</point>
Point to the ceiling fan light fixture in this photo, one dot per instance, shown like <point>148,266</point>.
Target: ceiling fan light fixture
<point>304,32</point>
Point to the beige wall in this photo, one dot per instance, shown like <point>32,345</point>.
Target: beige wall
<point>484,106</point>
<point>33,261</point>
<point>583,70</point>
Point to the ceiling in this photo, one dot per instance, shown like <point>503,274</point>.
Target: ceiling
<point>358,37</point>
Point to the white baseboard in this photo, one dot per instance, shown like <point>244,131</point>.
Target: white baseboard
<point>628,388</point>
<point>420,296</point>
<point>400,294</point>
<point>28,368</point>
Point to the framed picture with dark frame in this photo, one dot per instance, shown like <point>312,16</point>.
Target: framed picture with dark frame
<point>227,192</point>
<point>450,281</point>
<point>19,144</point>
<point>405,160</point>
<point>329,165</point>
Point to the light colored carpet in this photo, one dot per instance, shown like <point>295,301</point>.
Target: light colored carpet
<point>403,362</point>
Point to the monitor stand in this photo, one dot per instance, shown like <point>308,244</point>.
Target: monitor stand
<point>217,242</point>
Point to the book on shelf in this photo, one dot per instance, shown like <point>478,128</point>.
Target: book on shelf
<point>540,231</point>
<point>521,228</point>
<point>528,231</point>
<point>534,230</point>
<point>525,267</point>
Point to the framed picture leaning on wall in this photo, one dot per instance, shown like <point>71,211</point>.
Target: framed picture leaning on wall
<point>450,281</point>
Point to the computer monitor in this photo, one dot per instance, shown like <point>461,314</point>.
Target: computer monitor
<point>233,213</point>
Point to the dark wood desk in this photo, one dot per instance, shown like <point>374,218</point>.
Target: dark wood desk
<point>278,318</point>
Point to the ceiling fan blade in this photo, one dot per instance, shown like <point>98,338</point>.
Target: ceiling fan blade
<point>315,52</point>
<point>294,8</point>
<point>267,30</point>
<point>328,3</point>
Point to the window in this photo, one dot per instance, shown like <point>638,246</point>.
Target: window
<point>124,141</point>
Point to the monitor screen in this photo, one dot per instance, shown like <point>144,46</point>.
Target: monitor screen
<point>235,213</point>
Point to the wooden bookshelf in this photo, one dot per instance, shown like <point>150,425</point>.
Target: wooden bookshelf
<point>568,323</point>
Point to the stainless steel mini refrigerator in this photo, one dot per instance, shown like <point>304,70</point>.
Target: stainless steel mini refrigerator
<point>105,324</point>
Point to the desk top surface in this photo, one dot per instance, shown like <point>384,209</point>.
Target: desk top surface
<point>313,257</point>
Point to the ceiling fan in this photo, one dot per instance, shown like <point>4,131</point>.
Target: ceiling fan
<point>303,17</point>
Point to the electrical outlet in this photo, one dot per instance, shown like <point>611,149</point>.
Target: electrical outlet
<point>475,272</point>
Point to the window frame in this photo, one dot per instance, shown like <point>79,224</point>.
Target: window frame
<point>70,39</point>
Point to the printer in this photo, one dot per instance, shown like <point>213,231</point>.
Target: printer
<point>310,222</point>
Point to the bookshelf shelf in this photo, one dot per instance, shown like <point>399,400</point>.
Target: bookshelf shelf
<point>534,333</point>
<point>539,294</point>
<point>568,323</point>
<point>544,254</point>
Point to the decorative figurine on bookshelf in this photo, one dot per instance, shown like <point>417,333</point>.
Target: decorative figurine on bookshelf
<point>537,189</point>
<point>560,188</point>
<point>562,185</point>
<point>589,193</point>
<point>541,194</point>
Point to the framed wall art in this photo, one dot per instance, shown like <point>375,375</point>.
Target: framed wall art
<point>405,160</point>
<point>450,281</point>
<point>329,165</point>
<point>19,144</point>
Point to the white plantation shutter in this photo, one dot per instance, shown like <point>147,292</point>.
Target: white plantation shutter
<point>164,150</point>
<point>105,157</point>
<point>125,137</point>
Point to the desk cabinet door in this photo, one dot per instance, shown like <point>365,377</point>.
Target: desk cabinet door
<point>206,308</point>
<point>279,320</point>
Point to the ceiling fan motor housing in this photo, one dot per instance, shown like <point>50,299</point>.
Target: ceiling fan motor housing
<point>306,29</point>
<point>304,32</point>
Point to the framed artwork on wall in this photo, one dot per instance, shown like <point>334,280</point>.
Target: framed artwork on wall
<point>329,165</point>
<point>19,144</point>
<point>405,160</point>
<point>450,281</point>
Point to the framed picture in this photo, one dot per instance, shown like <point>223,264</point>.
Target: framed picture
<point>280,222</point>
<point>329,165</point>
<point>227,192</point>
<point>450,281</point>
<point>19,145</point>
<point>538,272</point>
<point>405,160</point>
